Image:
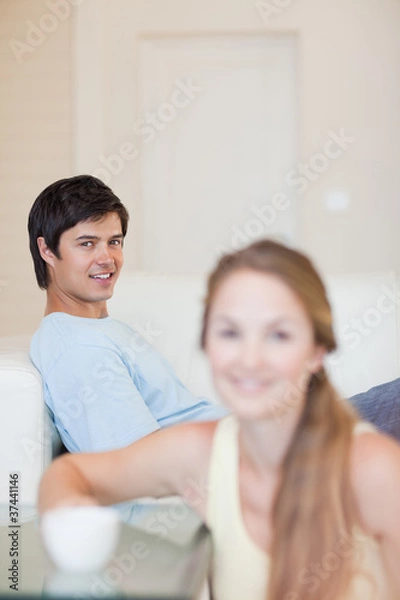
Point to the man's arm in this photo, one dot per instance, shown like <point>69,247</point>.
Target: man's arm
<point>381,406</point>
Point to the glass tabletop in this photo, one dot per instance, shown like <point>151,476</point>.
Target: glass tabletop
<point>163,552</point>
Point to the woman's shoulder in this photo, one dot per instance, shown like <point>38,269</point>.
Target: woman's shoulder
<point>371,448</point>
<point>375,475</point>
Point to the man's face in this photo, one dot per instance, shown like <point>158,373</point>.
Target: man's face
<point>91,257</point>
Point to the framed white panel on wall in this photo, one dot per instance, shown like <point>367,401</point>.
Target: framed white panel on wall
<point>210,119</point>
<point>219,135</point>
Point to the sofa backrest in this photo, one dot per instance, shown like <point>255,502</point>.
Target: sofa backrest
<point>167,309</point>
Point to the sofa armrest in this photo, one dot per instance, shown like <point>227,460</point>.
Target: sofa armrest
<point>25,443</point>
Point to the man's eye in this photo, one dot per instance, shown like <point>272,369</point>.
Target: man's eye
<point>87,244</point>
<point>116,242</point>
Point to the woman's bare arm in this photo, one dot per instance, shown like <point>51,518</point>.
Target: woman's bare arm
<point>161,464</point>
<point>376,479</point>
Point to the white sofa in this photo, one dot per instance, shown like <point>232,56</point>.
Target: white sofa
<point>167,310</point>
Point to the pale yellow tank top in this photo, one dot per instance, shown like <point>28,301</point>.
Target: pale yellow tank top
<point>240,567</point>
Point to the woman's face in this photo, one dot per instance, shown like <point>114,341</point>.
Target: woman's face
<point>260,343</point>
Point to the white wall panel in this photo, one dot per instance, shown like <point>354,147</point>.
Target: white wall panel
<point>210,166</point>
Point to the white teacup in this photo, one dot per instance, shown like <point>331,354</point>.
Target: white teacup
<point>80,539</point>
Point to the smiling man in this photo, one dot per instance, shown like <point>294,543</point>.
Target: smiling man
<point>84,267</point>
<point>104,385</point>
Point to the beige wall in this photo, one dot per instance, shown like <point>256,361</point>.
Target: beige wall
<point>35,145</point>
<point>348,77</point>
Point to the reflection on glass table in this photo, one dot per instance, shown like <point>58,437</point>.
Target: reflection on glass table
<point>164,552</point>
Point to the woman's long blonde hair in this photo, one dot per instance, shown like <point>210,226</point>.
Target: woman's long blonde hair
<point>314,512</point>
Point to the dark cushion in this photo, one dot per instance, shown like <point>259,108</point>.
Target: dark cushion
<point>381,406</point>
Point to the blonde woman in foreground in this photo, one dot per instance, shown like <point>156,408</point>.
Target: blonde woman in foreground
<point>303,500</point>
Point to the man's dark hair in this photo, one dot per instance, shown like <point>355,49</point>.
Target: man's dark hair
<point>64,204</point>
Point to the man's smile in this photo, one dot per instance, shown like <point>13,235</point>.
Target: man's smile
<point>102,276</point>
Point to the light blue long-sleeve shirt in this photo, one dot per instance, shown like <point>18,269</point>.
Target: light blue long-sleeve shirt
<point>106,386</point>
